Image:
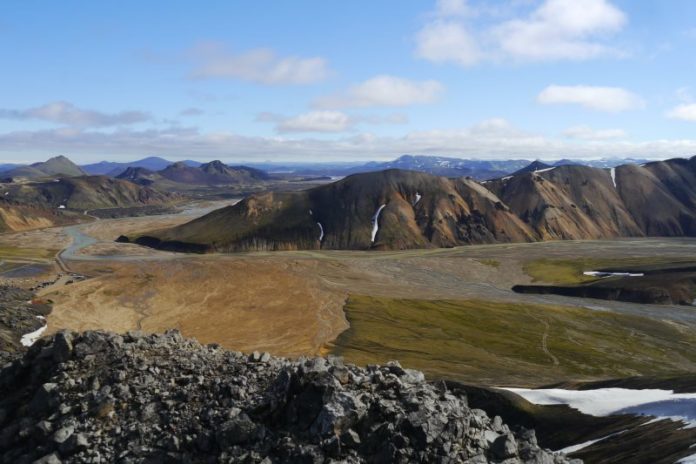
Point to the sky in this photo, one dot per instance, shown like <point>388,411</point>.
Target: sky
<point>325,81</point>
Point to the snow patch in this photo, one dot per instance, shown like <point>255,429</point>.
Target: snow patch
<point>418,197</point>
<point>61,207</point>
<point>612,171</point>
<point>611,274</point>
<point>321,231</point>
<point>663,404</point>
<point>507,178</point>
<point>310,212</point>
<point>375,223</point>
<point>30,338</point>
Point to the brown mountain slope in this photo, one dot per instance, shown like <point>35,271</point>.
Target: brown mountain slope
<point>567,202</point>
<point>419,210</point>
<point>661,196</point>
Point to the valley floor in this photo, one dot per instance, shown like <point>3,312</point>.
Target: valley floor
<point>294,303</point>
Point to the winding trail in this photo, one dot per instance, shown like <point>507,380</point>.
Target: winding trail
<point>544,346</point>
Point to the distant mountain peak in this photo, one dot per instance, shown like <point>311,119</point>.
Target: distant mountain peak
<point>534,166</point>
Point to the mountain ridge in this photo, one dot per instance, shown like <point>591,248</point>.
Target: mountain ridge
<point>397,209</point>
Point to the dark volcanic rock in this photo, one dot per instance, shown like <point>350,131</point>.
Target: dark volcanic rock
<point>19,314</point>
<point>101,397</point>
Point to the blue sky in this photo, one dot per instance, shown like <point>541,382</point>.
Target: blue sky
<point>324,81</point>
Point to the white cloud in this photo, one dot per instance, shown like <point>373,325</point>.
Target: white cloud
<point>609,99</point>
<point>555,30</point>
<point>561,29</point>
<point>584,132</point>
<point>66,113</point>
<point>384,90</point>
<point>326,121</point>
<point>685,112</point>
<point>316,121</point>
<point>259,65</point>
<point>447,41</point>
<point>492,139</point>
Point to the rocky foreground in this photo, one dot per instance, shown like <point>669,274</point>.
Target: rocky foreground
<point>99,397</point>
<point>20,313</point>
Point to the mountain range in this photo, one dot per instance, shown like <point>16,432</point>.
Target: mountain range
<point>438,165</point>
<point>152,163</point>
<point>398,209</point>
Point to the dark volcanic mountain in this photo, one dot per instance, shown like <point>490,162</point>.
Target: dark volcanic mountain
<point>140,176</point>
<point>403,209</point>
<point>180,176</point>
<point>213,173</point>
<point>56,166</point>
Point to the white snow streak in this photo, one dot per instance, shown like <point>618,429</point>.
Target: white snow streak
<point>418,197</point>
<point>612,171</point>
<point>30,338</point>
<point>610,274</point>
<point>321,231</point>
<point>375,223</point>
<point>544,170</point>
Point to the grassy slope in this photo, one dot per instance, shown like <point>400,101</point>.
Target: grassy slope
<point>9,252</point>
<point>500,343</point>
<point>569,271</point>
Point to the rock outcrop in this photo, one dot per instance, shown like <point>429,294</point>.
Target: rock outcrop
<point>101,397</point>
<point>20,314</point>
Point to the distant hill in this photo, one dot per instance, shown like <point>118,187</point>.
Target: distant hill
<point>208,174</point>
<point>56,166</point>
<point>534,166</point>
<point>153,163</point>
<point>43,204</point>
<point>397,209</point>
<point>8,166</point>
<point>443,166</point>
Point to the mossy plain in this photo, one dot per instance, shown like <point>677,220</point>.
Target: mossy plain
<point>498,343</point>
<point>570,271</point>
